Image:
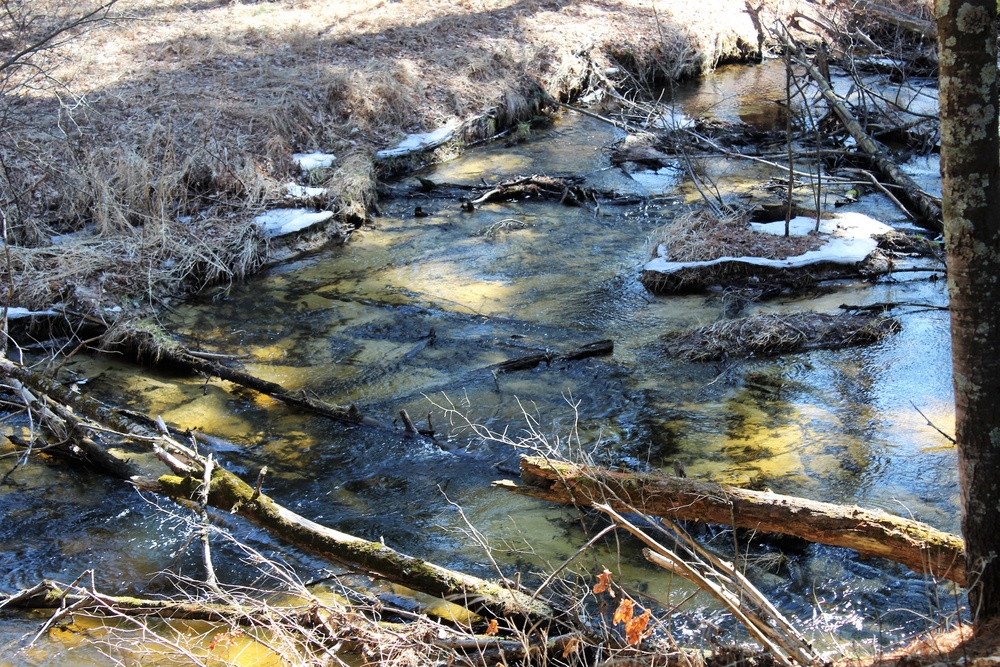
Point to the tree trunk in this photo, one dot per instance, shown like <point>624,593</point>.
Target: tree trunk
<point>970,166</point>
<point>870,533</point>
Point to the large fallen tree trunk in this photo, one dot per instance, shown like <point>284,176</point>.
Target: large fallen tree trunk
<point>870,533</point>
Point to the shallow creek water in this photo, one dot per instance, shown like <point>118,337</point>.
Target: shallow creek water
<point>351,324</point>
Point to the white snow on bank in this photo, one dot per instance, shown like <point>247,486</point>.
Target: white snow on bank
<point>418,142</point>
<point>297,191</point>
<point>281,221</point>
<point>16,312</point>
<point>310,161</point>
<point>849,241</point>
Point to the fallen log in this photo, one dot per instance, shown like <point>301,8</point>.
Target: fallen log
<point>231,494</point>
<point>927,211</point>
<point>148,341</point>
<point>919,546</point>
<point>595,349</point>
<point>908,22</point>
<point>329,624</point>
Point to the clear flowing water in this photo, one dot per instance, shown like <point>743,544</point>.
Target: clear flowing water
<point>353,325</point>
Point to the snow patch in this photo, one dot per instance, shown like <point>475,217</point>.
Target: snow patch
<point>16,312</point>
<point>310,161</point>
<point>282,221</point>
<point>849,242</point>
<point>418,142</point>
<point>296,191</point>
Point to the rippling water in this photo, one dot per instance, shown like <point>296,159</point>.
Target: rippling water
<point>351,324</point>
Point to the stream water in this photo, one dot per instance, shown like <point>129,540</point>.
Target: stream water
<point>353,325</point>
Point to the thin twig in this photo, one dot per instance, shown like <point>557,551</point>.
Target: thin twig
<point>933,426</point>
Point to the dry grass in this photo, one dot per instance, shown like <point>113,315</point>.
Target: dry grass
<point>191,110</point>
<point>769,334</point>
<point>698,235</point>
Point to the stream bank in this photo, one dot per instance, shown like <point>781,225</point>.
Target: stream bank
<point>416,305</point>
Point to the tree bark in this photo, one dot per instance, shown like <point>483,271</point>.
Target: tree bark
<point>970,170</point>
<point>870,533</point>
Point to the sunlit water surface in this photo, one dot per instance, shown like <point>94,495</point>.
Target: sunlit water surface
<point>353,325</point>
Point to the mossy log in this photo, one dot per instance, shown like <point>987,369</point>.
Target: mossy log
<point>231,494</point>
<point>871,533</point>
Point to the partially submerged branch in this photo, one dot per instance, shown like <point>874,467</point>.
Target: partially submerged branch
<point>231,494</point>
<point>927,212</point>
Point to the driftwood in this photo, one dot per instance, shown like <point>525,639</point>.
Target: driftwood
<point>871,533</point>
<point>928,212</point>
<point>536,187</point>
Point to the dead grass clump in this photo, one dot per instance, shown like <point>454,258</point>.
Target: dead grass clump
<point>99,274</point>
<point>352,185</point>
<point>769,334</point>
<point>698,235</point>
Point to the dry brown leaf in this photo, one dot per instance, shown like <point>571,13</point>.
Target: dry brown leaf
<point>604,583</point>
<point>572,646</point>
<point>635,629</point>
<point>624,612</point>
<point>493,627</point>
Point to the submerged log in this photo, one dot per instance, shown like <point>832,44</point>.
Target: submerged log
<point>149,342</point>
<point>919,546</point>
<point>595,349</point>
